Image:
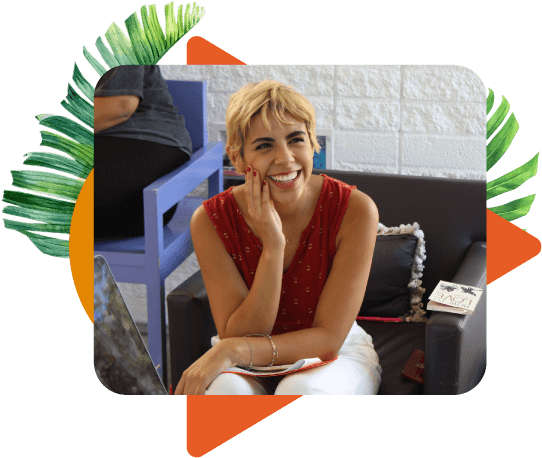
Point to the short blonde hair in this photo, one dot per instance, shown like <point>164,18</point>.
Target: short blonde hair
<point>270,98</point>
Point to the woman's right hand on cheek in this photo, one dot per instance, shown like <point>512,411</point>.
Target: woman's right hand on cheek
<point>262,210</point>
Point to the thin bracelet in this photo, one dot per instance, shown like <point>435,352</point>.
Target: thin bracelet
<point>251,355</point>
<point>275,352</point>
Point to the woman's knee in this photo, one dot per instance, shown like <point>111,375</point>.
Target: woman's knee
<point>301,384</point>
<point>339,379</point>
<point>233,384</point>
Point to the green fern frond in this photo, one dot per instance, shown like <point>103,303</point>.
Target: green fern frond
<point>67,127</point>
<point>54,215</point>
<point>48,245</point>
<point>84,154</point>
<point>94,62</point>
<point>141,46</point>
<point>154,32</point>
<point>120,45</point>
<point>79,107</point>
<point>49,183</point>
<point>37,227</point>
<point>146,44</point>
<point>56,162</point>
<point>495,150</point>
<point>84,86</point>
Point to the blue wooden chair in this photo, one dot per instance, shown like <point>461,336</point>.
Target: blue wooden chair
<point>150,259</point>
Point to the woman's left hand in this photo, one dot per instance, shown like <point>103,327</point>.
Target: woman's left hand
<point>197,378</point>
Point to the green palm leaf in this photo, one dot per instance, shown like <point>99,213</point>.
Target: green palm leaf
<point>515,209</point>
<point>495,150</point>
<point>146,44</point>
<point>56,162</point>
<point>513,179</point>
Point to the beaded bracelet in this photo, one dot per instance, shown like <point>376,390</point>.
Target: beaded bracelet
<point>275,352</point>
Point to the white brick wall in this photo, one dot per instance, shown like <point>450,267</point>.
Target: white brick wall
<point>410,120</point>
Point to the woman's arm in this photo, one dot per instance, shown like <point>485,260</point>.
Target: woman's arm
<point>238,311</point>
<point>110,111</point>
<point>341,297</point>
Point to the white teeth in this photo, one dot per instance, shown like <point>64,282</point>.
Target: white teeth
<point>284,178</point>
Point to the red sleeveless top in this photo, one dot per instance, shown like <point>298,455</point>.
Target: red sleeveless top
<point>306,276</point>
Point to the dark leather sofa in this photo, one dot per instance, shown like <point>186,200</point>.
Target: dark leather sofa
<point>452,215</point>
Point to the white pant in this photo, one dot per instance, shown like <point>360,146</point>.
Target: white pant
<point>356,371</point>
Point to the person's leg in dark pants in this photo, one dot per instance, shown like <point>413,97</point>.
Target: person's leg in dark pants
<point>122,169</point>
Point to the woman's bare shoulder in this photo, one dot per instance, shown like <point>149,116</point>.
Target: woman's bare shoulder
<point>361,209</point>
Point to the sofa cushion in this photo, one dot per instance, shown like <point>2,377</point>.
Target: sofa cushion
<point>394,343</point>
<point>394,285</point>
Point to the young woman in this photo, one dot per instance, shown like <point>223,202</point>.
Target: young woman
<point>286,255</point>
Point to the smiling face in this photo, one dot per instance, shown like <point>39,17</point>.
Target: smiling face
<point>282,155</point>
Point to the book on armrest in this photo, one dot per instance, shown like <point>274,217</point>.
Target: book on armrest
<point>454,298</point>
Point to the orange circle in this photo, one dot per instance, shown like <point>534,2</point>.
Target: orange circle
<point>82,246</point>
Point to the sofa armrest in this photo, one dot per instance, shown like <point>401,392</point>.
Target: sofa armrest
<point>191,325</point>
<point>455,345</point>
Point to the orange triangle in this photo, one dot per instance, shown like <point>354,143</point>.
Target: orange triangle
<point>231,415</point>
<point>213,420</point>
<point>508,246</point>
<point>201,52</point>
